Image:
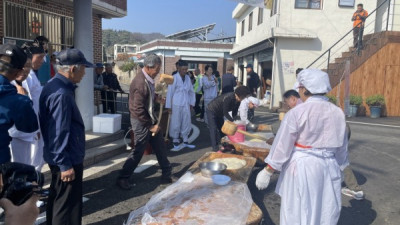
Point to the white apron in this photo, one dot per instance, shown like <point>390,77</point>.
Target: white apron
<point>310,179</point>
<point>309,186</point>
<point>26,147</point>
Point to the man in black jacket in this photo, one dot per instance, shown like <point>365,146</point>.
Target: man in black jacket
<point>144,123</point>
<point>110,79</point>
<point>220,108</point>
<point>253,82</point>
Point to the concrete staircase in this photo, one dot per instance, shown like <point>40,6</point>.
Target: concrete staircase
<point>98,148</point>
<point>372,44</point>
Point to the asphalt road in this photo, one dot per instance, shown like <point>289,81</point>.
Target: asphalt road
<point>374,155</point>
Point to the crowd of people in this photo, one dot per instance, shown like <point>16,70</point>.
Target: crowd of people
<point>107,83</point>
<point>42,124</point>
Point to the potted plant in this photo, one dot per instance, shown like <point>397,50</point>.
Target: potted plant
<point>355,102</point>
<point>375,103</point>
<point>332,99</point>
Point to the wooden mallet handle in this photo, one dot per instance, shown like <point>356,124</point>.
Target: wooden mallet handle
<point>252,135</point>
<point>159,117</point>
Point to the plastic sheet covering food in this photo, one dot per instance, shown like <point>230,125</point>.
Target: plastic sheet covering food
<point>196,200</point>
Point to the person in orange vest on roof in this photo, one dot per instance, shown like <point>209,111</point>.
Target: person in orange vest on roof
<point>358,19</point>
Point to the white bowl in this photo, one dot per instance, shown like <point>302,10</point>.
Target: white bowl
<point>220,179</point>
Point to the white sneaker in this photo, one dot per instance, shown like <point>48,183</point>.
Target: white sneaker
<point>177,148</point>
<point>357,195</point>
<point>200,120</point>
<point>39,203</point>
<point>187,145</point>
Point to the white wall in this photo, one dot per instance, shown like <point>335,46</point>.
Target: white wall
<point>328,24</point>
<point>257,34</point>
<point>396,15</point>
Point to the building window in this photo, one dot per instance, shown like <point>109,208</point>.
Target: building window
<point>274,9</point>
<point>24,24</point>
<point>242,32</point>
<point>193,66</point>
<point>308,4</point>
<point>347,3</point>
<point>251,21</point>
<point>260,16</point>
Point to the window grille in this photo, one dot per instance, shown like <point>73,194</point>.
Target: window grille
<point>25,23</point>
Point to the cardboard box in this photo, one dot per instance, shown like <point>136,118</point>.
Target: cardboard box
<point>107,123</point>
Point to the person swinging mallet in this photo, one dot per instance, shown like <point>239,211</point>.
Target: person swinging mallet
<point>165,80</point>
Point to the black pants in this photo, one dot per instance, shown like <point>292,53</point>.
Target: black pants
<point>250,114</point>
<point>215,124</point>
<point>197,107</point>
<point>65,199</point>
<point>358,33</point>
<point>108,101</point>
<point>142,137</point>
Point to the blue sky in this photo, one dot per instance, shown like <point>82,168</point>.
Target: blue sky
<point>171,16</point>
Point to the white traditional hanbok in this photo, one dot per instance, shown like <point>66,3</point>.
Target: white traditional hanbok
<point>180,97</point>
<point>27,148</point>
<point>244,108</point>
<point>310,149</point>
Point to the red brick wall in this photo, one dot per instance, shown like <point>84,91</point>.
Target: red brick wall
<point>122,4</point>
<point>229,62</point>
<point>66,10</point>
<point>97,39</point>
<point>170,64</point>
<point>1,22</point>
<point>221,65</point>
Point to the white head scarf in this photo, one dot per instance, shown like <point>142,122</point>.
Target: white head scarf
<point>314,80</point>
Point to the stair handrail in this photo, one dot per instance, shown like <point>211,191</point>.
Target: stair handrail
<point>337,42</point>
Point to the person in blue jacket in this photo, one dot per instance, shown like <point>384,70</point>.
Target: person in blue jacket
<point>15,109</point>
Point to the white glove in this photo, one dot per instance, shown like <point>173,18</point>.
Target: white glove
<point>263,179</point>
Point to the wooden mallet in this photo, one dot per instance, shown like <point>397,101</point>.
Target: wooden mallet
<point>165,80</point>
<point>230,128</point>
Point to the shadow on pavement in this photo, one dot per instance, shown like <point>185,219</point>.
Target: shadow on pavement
<point>259,196</point>
<point>361,179</point>
<point>360,213</point>
<point>103,191</point>
<point>202,141</point>
<point>117,219</point>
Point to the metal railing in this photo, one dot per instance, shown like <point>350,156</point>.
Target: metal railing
<point>115,103</point>
<point>335,51</point>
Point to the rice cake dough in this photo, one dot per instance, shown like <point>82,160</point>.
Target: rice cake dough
<point>231,163</point>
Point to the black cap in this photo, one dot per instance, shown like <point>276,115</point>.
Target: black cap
<point>99,65</point>
<point>249,66</point>
<point>17,55</point>
<point>72,56</point>
<point>36,48</point>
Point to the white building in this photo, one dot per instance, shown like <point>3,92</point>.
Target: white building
<point>292,35</point>
<point>196,53</point>
<point>125,49</point>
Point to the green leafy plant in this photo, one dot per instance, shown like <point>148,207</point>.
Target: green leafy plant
<point>375,100</point>
<point>356,100</point>
<point>332,99</point>
<point>128,66</point>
